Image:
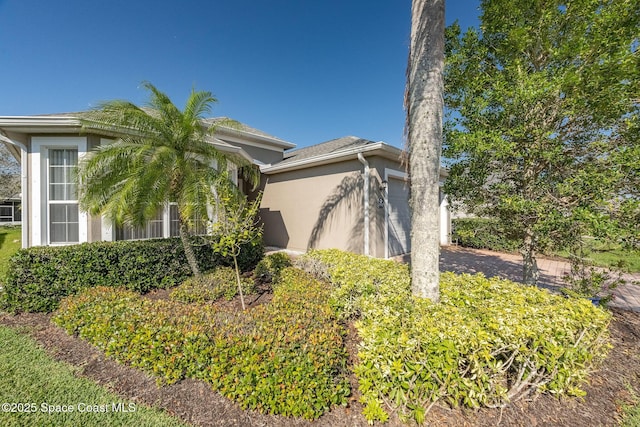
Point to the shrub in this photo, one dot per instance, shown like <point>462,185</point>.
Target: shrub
<point>286,357</point>
<point>488,342</point>
<point>270,267</point>
<point>38,277</point>
<point>211,286</point>
<point>483,233</point>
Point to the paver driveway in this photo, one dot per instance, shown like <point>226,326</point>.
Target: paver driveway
<point>509,266</point>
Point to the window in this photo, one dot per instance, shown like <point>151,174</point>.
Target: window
<point>8,212</point>
<point>174,220</point>
<point>153,229</point>
<point>62,196</point>
<point>199,227</point>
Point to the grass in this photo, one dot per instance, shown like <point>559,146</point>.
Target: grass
<point>632,416</point>
<point>631,411</point>
<point>10,242</point>
<point>607,254</point>
<point>38,383</point>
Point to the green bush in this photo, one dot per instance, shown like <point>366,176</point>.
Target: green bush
<point>488,342</point>
<point>212,286</point>
<point>38,277</point>
<point>483,233</point>
<point>286,357</point>
<point>270,267</point>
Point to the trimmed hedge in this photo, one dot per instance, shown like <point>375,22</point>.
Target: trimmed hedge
<point>483,233</point>
<point>286,357</point>
<point>37,278</point>
<point>488,342</point>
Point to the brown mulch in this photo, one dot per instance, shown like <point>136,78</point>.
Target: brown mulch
<point>195,402</point>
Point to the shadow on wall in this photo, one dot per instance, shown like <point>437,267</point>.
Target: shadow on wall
<point>345,199</point>
<point>275,234</point>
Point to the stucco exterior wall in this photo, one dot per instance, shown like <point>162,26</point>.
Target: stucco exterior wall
<point>317,207</point>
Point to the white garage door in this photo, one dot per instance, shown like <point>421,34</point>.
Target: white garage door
<point>399,217</point>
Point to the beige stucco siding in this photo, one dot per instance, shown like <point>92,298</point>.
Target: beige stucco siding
<point>316,207</point>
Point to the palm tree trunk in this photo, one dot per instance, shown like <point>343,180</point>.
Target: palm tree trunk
<point>188,249</point>
<point>424,104</point>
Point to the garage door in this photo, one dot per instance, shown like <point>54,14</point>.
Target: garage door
<point>399,217</point>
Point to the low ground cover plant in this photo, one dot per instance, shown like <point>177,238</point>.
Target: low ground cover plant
<point>286,357</point>
<point>37,278</point>
<point>270,267</point>
<point>212,286</point>
<point>488,342</point>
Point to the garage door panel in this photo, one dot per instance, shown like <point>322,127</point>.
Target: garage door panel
<point>399,217</point>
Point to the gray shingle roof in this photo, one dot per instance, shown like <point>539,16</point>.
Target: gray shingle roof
<point>241,126</point>
<point>324,148</point>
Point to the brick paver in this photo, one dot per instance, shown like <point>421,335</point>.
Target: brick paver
<point>509,266</point>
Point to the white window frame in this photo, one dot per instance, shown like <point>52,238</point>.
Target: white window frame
<point>39,213</point>
<point>60,202</point>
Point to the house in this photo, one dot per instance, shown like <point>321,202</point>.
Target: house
<point>348,193</point>
<point>10,212</point>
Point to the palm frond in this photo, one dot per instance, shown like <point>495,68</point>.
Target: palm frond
<point>161,155</point>
<point>198,105</point>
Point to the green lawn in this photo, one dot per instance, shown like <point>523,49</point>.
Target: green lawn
<point>632,417</point>
<point>10,241</point>
<point>607,254</point>
<point>36,383</point>
<point>632,412</point>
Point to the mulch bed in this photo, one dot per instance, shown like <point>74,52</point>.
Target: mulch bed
<point>195,402</point>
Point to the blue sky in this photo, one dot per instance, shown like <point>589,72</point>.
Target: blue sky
<point>303,70</point>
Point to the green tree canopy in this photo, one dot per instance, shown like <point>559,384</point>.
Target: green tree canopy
<point>9,174</point>
<point>161,155</point>
<point>543,105</point>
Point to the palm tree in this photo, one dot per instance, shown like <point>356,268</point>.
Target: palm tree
<point>162,155</point>
<point>424,105</point>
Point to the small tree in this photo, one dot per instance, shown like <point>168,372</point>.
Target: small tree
<point>235,223</point>
<point>542,120</point>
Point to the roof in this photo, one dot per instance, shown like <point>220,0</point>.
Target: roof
<point>324,148</point>
<point>65,122</point>
<point>224,122</point>
<point>336,150</point>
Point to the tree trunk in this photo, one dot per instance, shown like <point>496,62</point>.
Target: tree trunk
<point>424,104</point>
<point>188,249</point>
<point>530,271</point>
<point>235,262</point>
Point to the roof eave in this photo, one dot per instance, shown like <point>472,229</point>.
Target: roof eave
<point>378,148</point>
<point>259,138</point>
<point>32,124</point>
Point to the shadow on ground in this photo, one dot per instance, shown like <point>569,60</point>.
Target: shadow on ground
<point>462,260</point>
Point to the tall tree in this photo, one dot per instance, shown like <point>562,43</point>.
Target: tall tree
<point>9,174</point>
<point>162,155</point>
<point>541,105</point>
<point>424,106</point>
